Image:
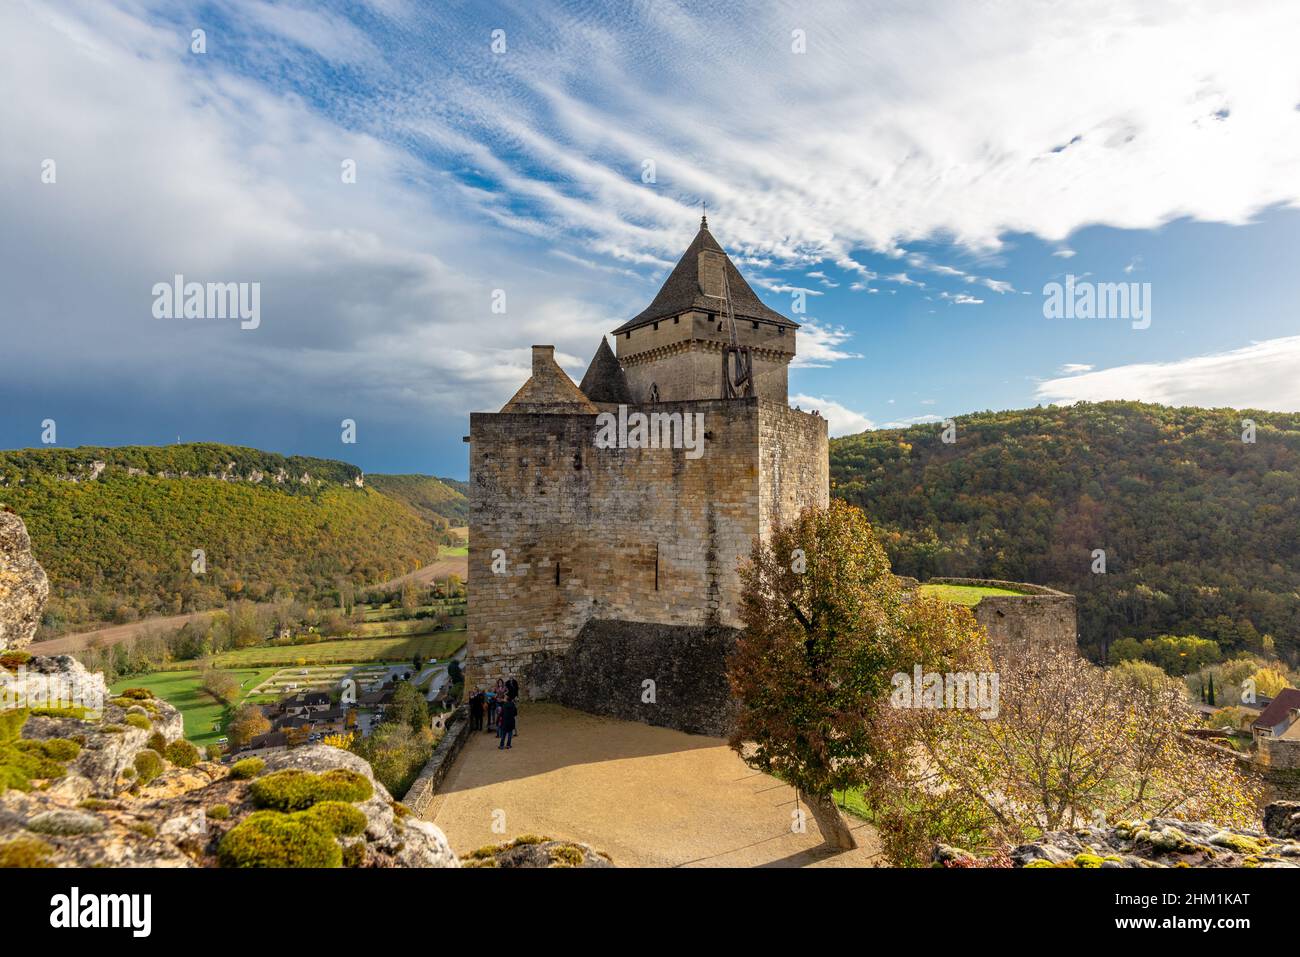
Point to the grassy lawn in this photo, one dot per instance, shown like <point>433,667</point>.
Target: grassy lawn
<point>458,551</point>
<point>199,709</point>
<point>965,594</point>
<point>346,650</point>
<point>404,627</point>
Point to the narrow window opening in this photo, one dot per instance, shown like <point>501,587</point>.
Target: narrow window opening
<point>656,566</point>
<point>557,574</point>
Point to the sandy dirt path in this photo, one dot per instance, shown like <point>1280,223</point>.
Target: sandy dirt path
<point>649,797</point>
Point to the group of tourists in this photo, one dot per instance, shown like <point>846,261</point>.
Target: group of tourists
<point>500,705</point>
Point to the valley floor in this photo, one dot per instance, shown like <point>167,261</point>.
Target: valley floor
<point>649,797</point>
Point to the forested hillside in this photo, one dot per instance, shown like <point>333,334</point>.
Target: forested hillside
<point>441,501</point>
<point>120,545</point>
<point>1201,530</point>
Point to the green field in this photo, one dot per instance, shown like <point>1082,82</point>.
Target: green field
<point>966,594</point>
<point>442,644</point>
<point>182,690</point>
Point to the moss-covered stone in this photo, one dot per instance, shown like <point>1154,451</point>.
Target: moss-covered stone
<point>219,812</point>
<point>25,852</point>
<point>340,819</point>
<point>294,789</point>
<point>148,765</point>
<point>138,721</point>
<point>272,839</point>
<point>182,754</point>
<point>247,768</point>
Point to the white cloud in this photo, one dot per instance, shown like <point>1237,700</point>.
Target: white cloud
<point>839,419</point>
<point>1074,368</point>
<point>819,345</point>
<point>1264,375</point>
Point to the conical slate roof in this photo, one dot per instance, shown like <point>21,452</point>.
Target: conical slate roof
<point>684,291</point>
<point>605,381</point>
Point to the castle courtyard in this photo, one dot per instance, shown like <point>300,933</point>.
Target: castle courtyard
<point>647,796</point>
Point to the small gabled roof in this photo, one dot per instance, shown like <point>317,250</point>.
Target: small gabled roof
<point>548,390</point>
<point>683,290</point>
<point>1287,700</point>
<point>604,380</point>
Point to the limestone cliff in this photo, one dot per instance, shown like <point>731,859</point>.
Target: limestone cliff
<point>23,585</point>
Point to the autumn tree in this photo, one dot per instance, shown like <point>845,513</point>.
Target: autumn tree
<point>222,685</point>
<point>827,626</point>
<point>246,723</point>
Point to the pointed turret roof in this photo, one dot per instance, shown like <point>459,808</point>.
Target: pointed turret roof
<point>549,389</point>
<point>605,381</point>
<point>684,289</point>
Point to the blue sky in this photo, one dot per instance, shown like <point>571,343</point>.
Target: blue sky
<point>920,170</point>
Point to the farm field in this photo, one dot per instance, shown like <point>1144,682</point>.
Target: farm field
<point>442,644</point>
<point>182,689</point>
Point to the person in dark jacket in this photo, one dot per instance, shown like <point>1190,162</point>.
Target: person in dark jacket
<point>512,689</point>
<point>506,722</point>
<point>477,702</point>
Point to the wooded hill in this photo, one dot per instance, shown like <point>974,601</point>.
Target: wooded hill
<point>120,545</point>
<point>1201,530</point>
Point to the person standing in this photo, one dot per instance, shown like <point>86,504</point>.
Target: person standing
<point>512,689</point>
<point>476,703</point>
<point>506,723</point>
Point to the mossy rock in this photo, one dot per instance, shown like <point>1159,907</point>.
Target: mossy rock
<point>272,839</point>
<point>138,721</point>
<point>11,724</point>
<point>148,765</point>
<point>566,855</point>
<point>25,852</point>
<point>156,742</point>
<point>75,712</point>
<point>219,812</point>
<point>247,768</point>
<point>65,823</point>
<point>14,659</point>
<point>137,694</point>
<point>1239,843</point>
<point>294,789</point>
<point>340,819</point>
<point>182,754</point>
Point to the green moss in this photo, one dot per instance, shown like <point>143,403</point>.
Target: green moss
<point>1039,863</point>
<point>271,839</point>
<point>486,851</point>
<point>219,812</point>
<point>137,694</point>
<point>11,724</point>
<point>340,819</point>
<point>98,804</point>
<point>14,659</point>
<point>566,855</point>
<point>148,765</point>
<point>1239,843</point>
<point>145,829</point>
<point>354,855</point>
<point>76,712</point>
<point>25,852</point>
<point>138,721</point>
<point>480,862</point>
<point>247,768</point>
<point>182,754</point>
<point>523,839</point>
<point>156,742</point>
<point>56,749</point>
<point>294,789</point>
<point>1087,860</point>
<point>66,823</point>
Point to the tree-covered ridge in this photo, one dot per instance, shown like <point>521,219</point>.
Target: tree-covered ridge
<point>190,459</point>
<point>441,501</point>
<point>122,546</point>
<point>1201,530</point>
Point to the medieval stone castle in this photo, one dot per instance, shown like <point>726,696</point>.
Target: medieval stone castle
<point>586,558</point>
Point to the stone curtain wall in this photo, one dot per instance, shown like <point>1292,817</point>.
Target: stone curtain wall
<point>1037,616</point>
<point>606,670</point>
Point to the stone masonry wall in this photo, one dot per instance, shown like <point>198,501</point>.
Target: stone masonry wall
<point>1039,615</point>
<point>636,535</point>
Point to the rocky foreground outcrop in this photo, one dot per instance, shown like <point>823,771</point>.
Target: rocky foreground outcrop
<point>88,779</point>
<point>23,585</point>
<point>1159,842</point>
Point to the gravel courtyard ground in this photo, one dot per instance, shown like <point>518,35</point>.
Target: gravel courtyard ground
<point>649,797</point>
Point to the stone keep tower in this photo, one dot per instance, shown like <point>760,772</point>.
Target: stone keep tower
<point>643,541</point>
